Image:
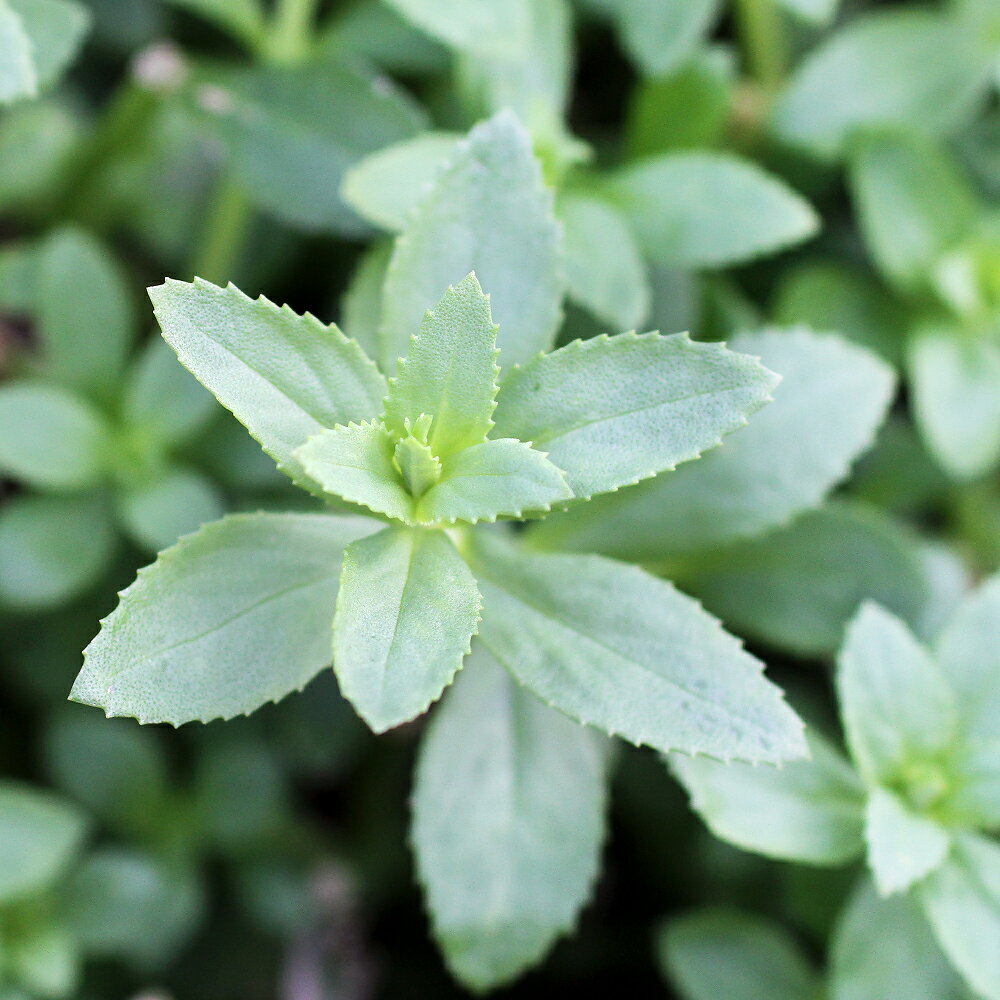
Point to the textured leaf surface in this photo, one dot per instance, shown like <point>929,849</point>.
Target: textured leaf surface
<point>716,953</point>
<point>613,410</point>
<point>604,267</point>
<point>895,702</point>
<point>697,209</point>
<point>449,372</point>
<point>825,412</point>
<point>508,818</point>
<point>810,811</point>
<point>962,902</point>
<point>50,438</point>
<point>903,846</point>
<point>286,377</point>
<point>227,620</point>
<point>355,462</point>
<point>489,212</point>
<point>407,610</point>
<point>39,834</point>
<point>650,666</point>
<point>498,478</point>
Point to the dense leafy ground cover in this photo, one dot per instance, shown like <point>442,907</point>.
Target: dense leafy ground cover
<point>628,444</point>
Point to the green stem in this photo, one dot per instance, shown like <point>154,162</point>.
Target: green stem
<point>764,43</point>
<point>222,237</point>
<point>291,30</point>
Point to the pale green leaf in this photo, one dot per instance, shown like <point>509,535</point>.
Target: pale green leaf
<point>52,548</point>
<point>713,954</point>
<point>361,304</point>
<point>485,27</point>
<point>385,186</point>
<point>18,76</point>
<point>903,845</point>
<point>906,66</point>
<point>51,438</point>
<point>907,963</point>
<point>605,272</point>
<point>508,819</point>
<point>244,19</point>
<point>155,513</point>
<point>955,376</point>
<point>826,409</point>
<point>649,665</point>
<point>897,708</point>
<point>796,588</point>
<point>498,478</point>
<point>912,201</point>
<point>356,462</point>
<point>39,835</point>
<point>962,902</point>
<point>227,620</point>
<point>449,372</point>
<point>613,410</point>
<point>809,811</point>
<point>819,12</point>
<point>489,212</point>
<point>407,610</point>
<point>291,133</point>
<point>286,377</point>
<point>702,209</point>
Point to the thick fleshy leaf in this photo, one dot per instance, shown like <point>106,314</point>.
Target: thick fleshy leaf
<point>507,823</point>
<point>387,185</point>
<point>604,268</point>
<point>700,209</point>
<point>898,710</point>
<point>962,902</point>
<point>903,846</point>
<point>39,834</point>
<point>291,133</point>
<point>286,377</point>
<point>52,548</point>
<point>361,305</point>
<point>227,620</point>
<point>489,212</point>
<point>18,77</point>
<point>496,27</point>
<point>498,478</point>
<point>809,811</point>
<point>796,588</point>
<point>909,67</point>
<point>906,965</point>
<point>779,465</point>
<point>356,462</point>
<point>613,410</point>
<point>449,373</point>
<point>716,953</point>
<point>50,438</point>
<point>956,390</point>
<point>650,666</point>
<point>407,610</point>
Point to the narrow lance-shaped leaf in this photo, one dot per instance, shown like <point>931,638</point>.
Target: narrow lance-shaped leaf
<point>489,212</point>
<point>230,618</point>
<point>507,823</point>
<point>449,372</point>
<point>407,610</point>
<point>286,377</point>
<point>613,410</point>
<point>650,665</point>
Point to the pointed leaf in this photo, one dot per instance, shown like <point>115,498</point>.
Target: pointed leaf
<point>230,618</point>
<point>498,478</point>
<point>903,846</point>
<point>286,377</point>
<point>407,610</point>
<point>356,462</point>
<point>809,811</point>
<point>489,212</point>
<point>449,372</point>
<point>650,665</point>
<point>508,819</point>
<point>613,410</point>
